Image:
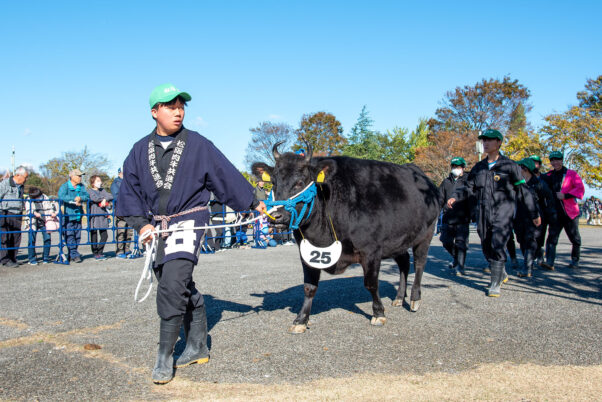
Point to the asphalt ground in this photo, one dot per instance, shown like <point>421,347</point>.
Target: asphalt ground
<point>49,313</point>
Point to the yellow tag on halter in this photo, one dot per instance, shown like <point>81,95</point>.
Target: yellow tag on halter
<point>265,177</point>
<point>320,178</point>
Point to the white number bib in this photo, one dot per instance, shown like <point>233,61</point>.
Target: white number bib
<point>320,257</point>
<point>181,240</point>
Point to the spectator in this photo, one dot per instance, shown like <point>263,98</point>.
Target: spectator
<point>73,194</point>
<point>260,192</point>
<point>11,208</point>
<point>99,220</point>
<point>567,186</point>
<point>122,233</point>
<point>39,210</point>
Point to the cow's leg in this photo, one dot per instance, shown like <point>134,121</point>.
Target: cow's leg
<point>311,277</point>
<point>403,262</point>
<point>420,252</point>
<point>371,265</point>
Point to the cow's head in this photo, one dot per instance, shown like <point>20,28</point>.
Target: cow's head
<point>291,174</point>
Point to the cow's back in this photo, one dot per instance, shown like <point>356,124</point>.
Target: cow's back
<point>392,205</point>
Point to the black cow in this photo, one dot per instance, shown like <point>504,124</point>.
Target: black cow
<point>378,209</point>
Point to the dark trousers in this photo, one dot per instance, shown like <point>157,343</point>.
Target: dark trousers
<point>454,236</point>
<point>31,251</point>
<point>123,236</point>
<point>100,244</point>
<point>527,235</point>
<point>571,228</point>
<point>10,223</point>
<point>72,234</point>
<point>494,239</point>
<point>541,238</point>
<point>511,246</point>
<point>176,291</point>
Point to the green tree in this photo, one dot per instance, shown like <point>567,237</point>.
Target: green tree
<point>522,144</point>
<point>263,138</point>
<point>323,132</point>
<point>591,98</point>
<point>578,133</point>
<point>396,145</point>
<point>362,127</point>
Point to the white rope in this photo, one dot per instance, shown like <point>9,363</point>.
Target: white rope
<point>151,248</point>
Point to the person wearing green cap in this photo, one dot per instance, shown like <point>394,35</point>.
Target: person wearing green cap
<point>568,187</point>
<point>544,223</point>
<point>168,178</point>
<point>526,232</point>
<point>537,160</point>
<point>497,184</point>
<point>455,221</point>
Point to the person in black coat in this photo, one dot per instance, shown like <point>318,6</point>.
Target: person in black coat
<point>526,231</point>
<point>497,183</point>
<point>455,221</point>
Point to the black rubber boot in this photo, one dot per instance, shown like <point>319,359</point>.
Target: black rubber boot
<point>168,335</point>
<point>451,249</point>
<point>487,269</point>
<point>196,339</point>
<point>498,276</point>
<point>574,264</point>
<point>461,259</point>
<point>527,270</point>
<point>575,255</point>
<point>538,258</point>
<point>550,257</point>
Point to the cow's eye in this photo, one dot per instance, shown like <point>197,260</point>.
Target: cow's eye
<point>299,184</point>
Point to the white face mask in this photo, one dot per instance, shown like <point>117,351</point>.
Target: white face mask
<point>457,172</point>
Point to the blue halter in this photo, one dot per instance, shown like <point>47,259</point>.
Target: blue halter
<point>307,197</point>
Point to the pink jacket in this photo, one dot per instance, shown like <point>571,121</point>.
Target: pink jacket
<point>571,184</point>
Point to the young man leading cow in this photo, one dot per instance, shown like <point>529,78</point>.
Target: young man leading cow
<point>168,178</point>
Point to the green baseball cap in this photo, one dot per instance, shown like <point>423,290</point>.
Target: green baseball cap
<point>556,155</point>
<point>536,158</point>
<point>166,93</point>
<point>458,161</point>
<point>491,133</point>
<point>528,163</point>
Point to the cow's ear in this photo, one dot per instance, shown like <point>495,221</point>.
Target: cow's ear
<point>325,169</point>
<point>262,171</point>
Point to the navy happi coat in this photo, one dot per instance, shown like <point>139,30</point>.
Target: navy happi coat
<point>198,169</point>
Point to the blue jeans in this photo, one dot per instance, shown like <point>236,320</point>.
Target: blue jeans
<point>31,251</point>
<point>73,234</point>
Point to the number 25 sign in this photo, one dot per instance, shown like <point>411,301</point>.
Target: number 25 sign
<point>320,257</point>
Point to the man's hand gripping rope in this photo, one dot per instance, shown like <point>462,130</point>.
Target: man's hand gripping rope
<point>149,236</point>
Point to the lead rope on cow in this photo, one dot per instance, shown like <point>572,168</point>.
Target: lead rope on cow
<point>327,215</point>
<point>151,248</point>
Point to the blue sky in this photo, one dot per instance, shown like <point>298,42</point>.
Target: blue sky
<point>79,74</point>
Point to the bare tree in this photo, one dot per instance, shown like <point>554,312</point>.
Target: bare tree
<point>263,138</point>
<point>56,170</point>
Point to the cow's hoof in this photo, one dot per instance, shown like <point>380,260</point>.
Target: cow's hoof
<point>297,329</point>
<point>378,321</point>
<point>397,303</point>
<point>415,305</point>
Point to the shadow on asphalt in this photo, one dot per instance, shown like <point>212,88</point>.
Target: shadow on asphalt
<point>571,284</point>
<point>215,311</point>
<point>339,293</point>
